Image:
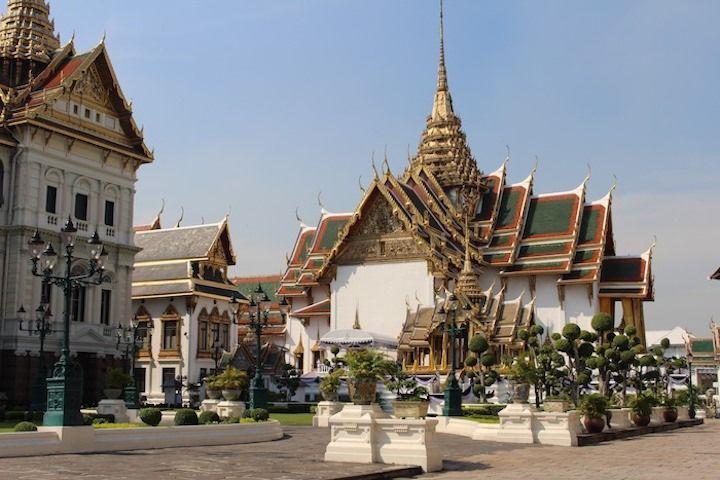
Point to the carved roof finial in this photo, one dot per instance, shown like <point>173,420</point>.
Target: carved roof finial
<point>182,216</point>
<point>356,323</point>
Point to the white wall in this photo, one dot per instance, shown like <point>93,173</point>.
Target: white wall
<point>378,293</point>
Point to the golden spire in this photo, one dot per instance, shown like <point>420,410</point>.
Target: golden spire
<point>26,31</point>
<point>443,146</point>
<point>468,281</point>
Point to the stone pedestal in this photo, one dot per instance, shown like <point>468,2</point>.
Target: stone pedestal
<point>227,409</point>
<point>73,439</point>
<point>620,419</point>
<point>683,413</point>
<point>133,415</point>
<point>209,405</point>
<point>114,407</point>
<point>365,434</point>
<point>555,428</point>
<point>324,411</point>
<point>516,423</point>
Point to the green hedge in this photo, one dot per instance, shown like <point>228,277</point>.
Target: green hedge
<point>89,418</point>
<point>291,408</point>
<point>489,409</point>
<point>208,417</point>
<point>25,427</point>
<point>186,416</point>
<point>151,416</point>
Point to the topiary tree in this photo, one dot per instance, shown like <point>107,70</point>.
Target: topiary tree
<point>186,416</point>
<point>25,427</point>
<point>479,367</point>
<point>151,416</point>
<point>574,345</point>
<point>208,417</point>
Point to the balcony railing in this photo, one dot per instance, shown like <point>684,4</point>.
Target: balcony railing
<point>52,219</point>
<point>321,368</point>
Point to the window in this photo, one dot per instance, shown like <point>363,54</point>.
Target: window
<point>51,199</point>
<point>87,113</point>
<point>109,213</point>
<point>203,373</point>
<point>170,331</point>
<point>140,376</point>
<point>77,304</point>
<point>299,361</point>
<point>224,335</point>
<point>144,334</point>
<point>203,336</point>
<point>105,306</point>
<point>76,110</point>
<point>81,206</point>
<point>97,117</point>
<point>168,377</point>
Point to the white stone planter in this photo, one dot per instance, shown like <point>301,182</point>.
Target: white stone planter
<point>227,409</point>
<point>657,416</point>
<point>683,413</point>
<point>555,428</point>
<point>621,418</point>
<point>54,440</point>
<point>365,434</point>
<point>516,424</point>
<point>114,407</point>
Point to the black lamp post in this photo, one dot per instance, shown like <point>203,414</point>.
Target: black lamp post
<point>691,409</point>
<point>131,339</point>
<point>257,316</point>
<point>452,394</point>
<point>42,327</point>
<point>64,388</point>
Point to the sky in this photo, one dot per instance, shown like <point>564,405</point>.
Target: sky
<point>254,107</point>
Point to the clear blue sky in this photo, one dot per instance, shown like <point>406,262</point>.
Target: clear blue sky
<point>258,105</point>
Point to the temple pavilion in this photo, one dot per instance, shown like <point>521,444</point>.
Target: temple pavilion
<point>516,255</point>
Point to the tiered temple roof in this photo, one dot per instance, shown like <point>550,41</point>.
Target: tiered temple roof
<point>462,221</point>
<point>184,261</point>
<point>39,79</point>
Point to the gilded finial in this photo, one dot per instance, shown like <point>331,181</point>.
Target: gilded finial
<point>386,165</point>
<point>182,217</point>
<point>372,163</point>
<point>442,73</point>
<point>362,189</point>
<point>507,155</point>
<point>323,210</point>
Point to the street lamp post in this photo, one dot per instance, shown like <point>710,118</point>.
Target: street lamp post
<point>132,339</point>
<point>65,386</point>
<point>257,316</point>
<point>42,327</point>
<point>691,409</point>
<point>452,394</point>
<point>217,348</point>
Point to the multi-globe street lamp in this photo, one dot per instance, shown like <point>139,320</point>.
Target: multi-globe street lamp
<point>452,406</point>
<point>691,409</point>
<point>132,338</point>
<point>42,327</point>
<point>65,386</point>
<point>257,315</point>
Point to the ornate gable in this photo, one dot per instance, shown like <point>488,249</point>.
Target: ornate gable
<point>378,235</point>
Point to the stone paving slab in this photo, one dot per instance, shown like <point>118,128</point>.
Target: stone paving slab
<point>688,452</point>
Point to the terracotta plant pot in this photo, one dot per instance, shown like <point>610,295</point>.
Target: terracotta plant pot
<point>362,390</point>
<point>410,408</point>
<point>594,425</point>
<point>112,393</point>
<point>329,396</point>
<point>231,395</point>
<point>212,393</point>
<point>521,392</point>
<point>641,420</point>
<point>670,415</point>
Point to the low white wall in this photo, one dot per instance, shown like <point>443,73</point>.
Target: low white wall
<point>54,440</point>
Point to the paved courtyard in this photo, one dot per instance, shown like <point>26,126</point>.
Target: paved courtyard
<point>691,452</point>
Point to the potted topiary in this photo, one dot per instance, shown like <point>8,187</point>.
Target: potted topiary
<point>670,413</point>
<point>115,381</point>
<point>557,403</point>
<point>231,381</point>
<point>641,406</point>
<point>212,391</point>
<point>330,384</point>
<point>412,399</point>
<point>365,367</point>
<point>593,407</point>
<point>522,374</point>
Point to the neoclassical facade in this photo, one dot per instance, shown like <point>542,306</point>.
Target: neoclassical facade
<point>69,147</point>
<point>515,256</point>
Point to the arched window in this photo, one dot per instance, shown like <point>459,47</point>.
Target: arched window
<point>203,332</point>
<point>170,332</point>
<point>144,321</point>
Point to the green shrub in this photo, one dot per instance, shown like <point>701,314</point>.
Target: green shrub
<point>642,405</point>
<point>99,421</point>
<point>571,331</point>
<point>151,416</point>
<point>89,418</point>
<point>232,420</point>
<point>186,416</point>
<point>489,409</point>
<point>256,414</point>
<point>602,322</point>
<point>25,427</point>
<point>478,344</point>
<point>116,378</point>
<point>230,379</point>
<point>246,420</point>
<point>208,417</point>
<point>593,405</point>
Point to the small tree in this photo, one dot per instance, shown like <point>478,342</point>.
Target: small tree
<point>479,365</point>
<point>577,345</point>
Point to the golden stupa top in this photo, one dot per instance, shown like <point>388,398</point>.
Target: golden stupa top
<point>443,145</point>
<point>26,31</point>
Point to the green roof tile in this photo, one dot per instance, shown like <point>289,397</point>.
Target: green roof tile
<point>508,205</point>
<point>549,216</point>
